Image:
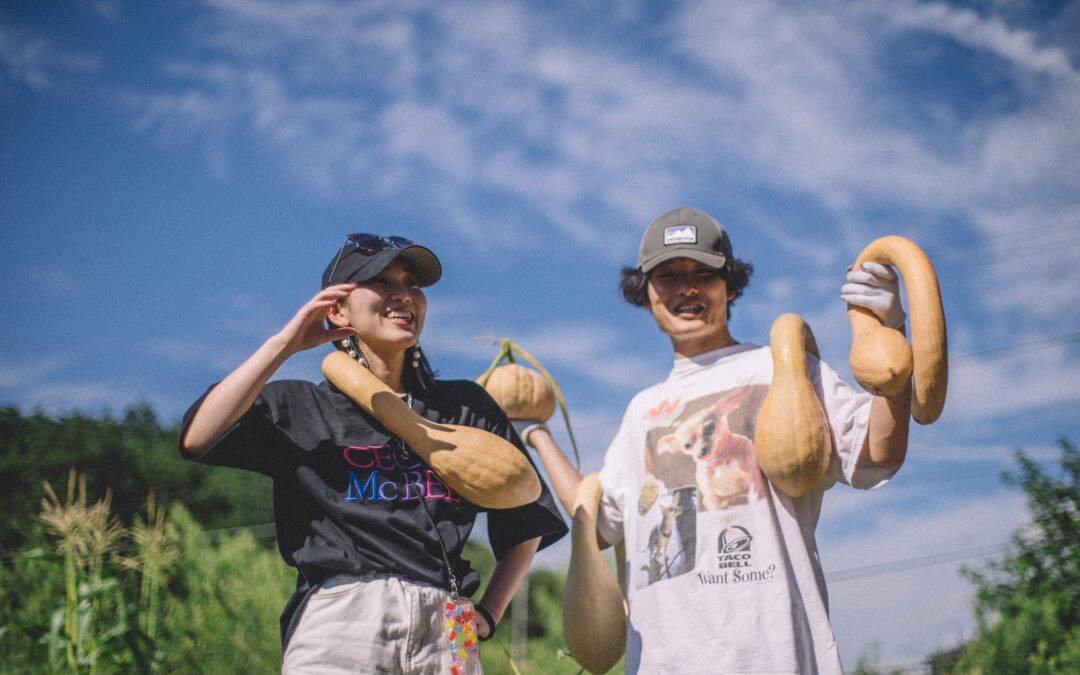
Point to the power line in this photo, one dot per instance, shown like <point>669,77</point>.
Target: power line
<point>1000,258</point>
<point>1021,234</point>
<point>993,247</point>
<point>1010,247</point>
<point>1020,348</point>
<point>853,573</point>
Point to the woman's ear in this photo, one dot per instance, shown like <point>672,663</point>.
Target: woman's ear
<point>336,315</point>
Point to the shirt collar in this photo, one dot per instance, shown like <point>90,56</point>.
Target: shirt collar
<point>691,364</point>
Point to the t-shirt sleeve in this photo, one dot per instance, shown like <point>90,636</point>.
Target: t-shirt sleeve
<point>254,443</point>
<point>541,518</point>
<point>609,520</point>
<point>849,415</point>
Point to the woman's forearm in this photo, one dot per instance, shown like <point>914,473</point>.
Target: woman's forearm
<point>509,572</point>
<point>232,397</point>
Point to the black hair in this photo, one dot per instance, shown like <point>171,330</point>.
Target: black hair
<point>420,378</point>
<point>634,284</point>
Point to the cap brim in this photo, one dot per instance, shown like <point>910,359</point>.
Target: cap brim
<point>711,259</point>
<point>356,267</point>
<point>426,265</point>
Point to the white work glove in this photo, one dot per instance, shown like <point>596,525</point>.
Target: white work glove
<point>876,288</point>
<point>526,427</point>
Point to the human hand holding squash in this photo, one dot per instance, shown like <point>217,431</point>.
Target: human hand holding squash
<point>881,359</point>
<point>527,395</point>
<point>522,392</point>
<point>877,288</point>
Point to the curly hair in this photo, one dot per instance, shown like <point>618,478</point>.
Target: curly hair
<point>633,283</point>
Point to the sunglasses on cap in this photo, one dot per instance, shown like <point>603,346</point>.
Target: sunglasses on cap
<point>370,244</point>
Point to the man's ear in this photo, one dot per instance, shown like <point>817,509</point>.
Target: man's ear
<point>645,302</point>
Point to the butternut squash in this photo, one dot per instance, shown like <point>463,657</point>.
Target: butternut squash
<point>594,613</point>
<point>525,394</point>
<point>481,467</point>
<point>522,392</point>
<point>881,359</point>
<point>792,438</point>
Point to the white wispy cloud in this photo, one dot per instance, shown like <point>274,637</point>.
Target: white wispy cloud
<point>483,107</point>
<point>1023,382</point>
<point>49,279</point>
<point>110,10</point>
<point>890,609</point>
<point>37,62</point>
<point>215,355</point>
<point>990,33</point>
<point>19,375</point>
<point>61,396</point>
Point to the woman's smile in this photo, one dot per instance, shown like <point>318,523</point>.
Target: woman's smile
<point>387,310</point>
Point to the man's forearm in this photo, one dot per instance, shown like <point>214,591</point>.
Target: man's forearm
<point>887,430</point>
<point>561,473</point>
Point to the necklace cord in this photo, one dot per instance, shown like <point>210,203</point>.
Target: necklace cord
<point>452,578</point>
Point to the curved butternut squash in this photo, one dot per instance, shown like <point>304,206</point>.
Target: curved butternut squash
<point>594,614</point>
<point>880,357</point>
<point>481,467</point>
<point>792,438</point>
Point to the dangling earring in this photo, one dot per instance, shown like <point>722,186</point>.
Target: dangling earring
<point>350,348</point>
<point>422,369</point>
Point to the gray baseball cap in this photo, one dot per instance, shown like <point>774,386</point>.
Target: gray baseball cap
<point>684,233</point>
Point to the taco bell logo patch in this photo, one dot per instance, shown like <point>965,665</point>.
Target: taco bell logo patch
<point>680,234</point>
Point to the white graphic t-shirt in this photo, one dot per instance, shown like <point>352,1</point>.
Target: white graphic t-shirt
<point>722,570</point>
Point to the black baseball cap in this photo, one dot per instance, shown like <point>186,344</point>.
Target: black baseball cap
<point>364,255</point>
<point>684,233</point>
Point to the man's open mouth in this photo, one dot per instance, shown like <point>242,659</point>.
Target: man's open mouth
<point>689,309</point>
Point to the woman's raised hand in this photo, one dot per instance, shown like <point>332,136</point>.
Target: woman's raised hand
<point>233,396</point>
<point>308,329</point>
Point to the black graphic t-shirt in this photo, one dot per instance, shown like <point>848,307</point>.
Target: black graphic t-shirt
<point>351,498</point>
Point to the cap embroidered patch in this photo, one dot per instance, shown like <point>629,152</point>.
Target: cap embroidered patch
<point>680,234</point>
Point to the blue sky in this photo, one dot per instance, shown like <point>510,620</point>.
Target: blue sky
<point>177,174</point>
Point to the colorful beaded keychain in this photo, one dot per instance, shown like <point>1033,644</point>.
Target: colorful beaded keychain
<point>461,634</point>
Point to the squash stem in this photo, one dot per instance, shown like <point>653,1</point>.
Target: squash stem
<point>558,397</point>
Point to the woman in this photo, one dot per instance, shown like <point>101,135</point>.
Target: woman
<point>375,535</point>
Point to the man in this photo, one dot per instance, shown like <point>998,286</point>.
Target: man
<point>722,572</point>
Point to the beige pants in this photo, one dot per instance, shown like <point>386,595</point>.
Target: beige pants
<point>382,624</point>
